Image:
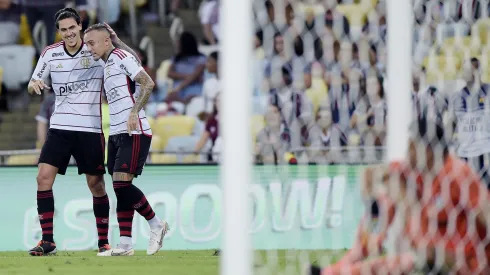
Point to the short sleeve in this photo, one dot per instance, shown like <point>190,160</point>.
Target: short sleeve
<point>42,70</point>
<point>130,66</point>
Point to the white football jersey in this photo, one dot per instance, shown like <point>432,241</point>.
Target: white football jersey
<point>122,91</point>
<point>76,81</point>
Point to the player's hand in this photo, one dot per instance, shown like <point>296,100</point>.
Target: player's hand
<point>37,86</point>
<point>132,122</point>
<point>112,32</point>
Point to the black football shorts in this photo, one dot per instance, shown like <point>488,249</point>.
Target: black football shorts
<point>87,148</point>
<point>127,154</point>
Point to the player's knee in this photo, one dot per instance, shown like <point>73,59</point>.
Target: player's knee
<point>96,185</point>
<point>44,181</point>
<point>122,177</point>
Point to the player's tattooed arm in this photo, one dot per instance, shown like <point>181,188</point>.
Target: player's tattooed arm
<point>146,88</point>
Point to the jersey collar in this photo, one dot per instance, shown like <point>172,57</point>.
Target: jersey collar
<point>73,55</point>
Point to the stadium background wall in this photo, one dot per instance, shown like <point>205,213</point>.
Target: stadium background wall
<point>295,207</point>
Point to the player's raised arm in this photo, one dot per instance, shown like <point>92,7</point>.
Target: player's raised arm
<point>118,43</point>
<point>41,72</point>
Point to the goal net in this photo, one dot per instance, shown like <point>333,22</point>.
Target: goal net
<point>321,99</point>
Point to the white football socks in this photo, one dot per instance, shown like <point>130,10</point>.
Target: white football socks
<point>126,242</point>
<point>155,223</point>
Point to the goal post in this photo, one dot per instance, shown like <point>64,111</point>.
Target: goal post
<point>236,54</point>
<point>399,77</point>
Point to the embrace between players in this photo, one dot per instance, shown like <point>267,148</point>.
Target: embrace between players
<point>433,205</point>
<point>80,70</point>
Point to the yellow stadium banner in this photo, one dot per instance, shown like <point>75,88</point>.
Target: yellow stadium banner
<point>25,36</point>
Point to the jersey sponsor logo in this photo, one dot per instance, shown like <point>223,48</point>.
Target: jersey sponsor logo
<point>125,69</point>
<point>59,66</point>
<point>43,68</point>
<point>73,87</point>
<point>112,95</point>
<point>85,62</point>
<point>58,54</point>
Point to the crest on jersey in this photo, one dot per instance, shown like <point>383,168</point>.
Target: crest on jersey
<point>85,62</point>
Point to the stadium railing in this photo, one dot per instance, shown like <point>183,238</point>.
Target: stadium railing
<point>148,46</point>
<point>352,155</point>
<point>40,36</point>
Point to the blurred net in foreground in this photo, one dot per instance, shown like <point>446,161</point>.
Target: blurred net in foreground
<point>322,66</point>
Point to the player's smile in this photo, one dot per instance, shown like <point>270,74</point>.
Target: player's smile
<point>71,37</point>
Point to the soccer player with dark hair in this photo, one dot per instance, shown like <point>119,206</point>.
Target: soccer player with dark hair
<point>127,87</point>
<point>75,126</point>
<point>446,211</point>
<point>469,113</point>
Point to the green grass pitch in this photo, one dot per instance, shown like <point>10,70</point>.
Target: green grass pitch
<point>165,262</point>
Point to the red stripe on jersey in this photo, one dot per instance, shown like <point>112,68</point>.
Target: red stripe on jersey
<point>117,54</point>
<point>133,153</point>
<point>132,98</point>
<point>119,51</point>
<point>100,110</point>
<point>51,47</point>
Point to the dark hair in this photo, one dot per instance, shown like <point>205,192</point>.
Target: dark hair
<point>373,48</point>
<point>187,46</point>
<point>97,27</point>
<point>318,47</point>
<point>286,74</point>
<point>67,13</point>
<point>298,46</point>
<point>355,48</point>
<point>260,35</point>
<point>214,55</point>
<point>268,4</point>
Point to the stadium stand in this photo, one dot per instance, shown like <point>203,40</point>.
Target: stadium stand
<point>342,44</point>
